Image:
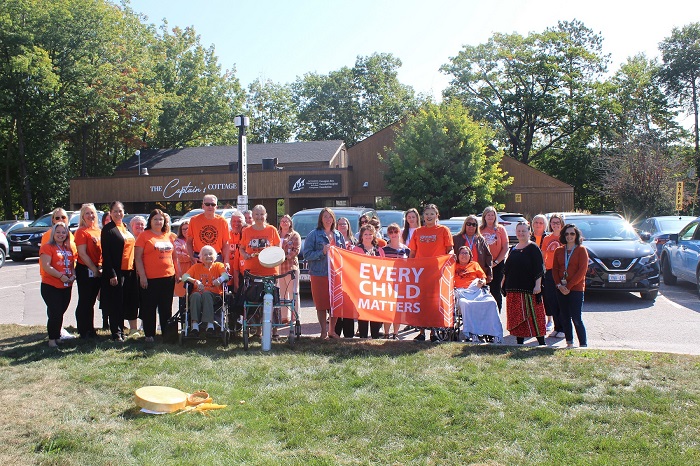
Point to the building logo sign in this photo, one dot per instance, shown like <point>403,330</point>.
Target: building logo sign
<point>315,184</point>
<point>177,188</point>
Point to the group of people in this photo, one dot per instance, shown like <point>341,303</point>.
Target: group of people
<point>542,277</point>
<point>135,273</point>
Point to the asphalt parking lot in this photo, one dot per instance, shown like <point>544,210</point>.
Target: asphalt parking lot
<point>613,320</point>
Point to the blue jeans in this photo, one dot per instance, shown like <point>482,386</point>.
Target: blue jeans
<point>570,307</point>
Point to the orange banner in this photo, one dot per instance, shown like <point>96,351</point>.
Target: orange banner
<point>417,292</point>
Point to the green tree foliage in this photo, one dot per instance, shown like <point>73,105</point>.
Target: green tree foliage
<point>681,72</point>
<point>442,156</point>
<point>198,101</point>
<point>272,112</point>
<point>536,90</point>
<point>352,103</point>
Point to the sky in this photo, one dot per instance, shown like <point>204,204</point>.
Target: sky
<point>282,40</point>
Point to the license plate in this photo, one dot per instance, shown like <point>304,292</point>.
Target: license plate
<point>16,248</point>
<point>617,277</point>
<point>304,277</point>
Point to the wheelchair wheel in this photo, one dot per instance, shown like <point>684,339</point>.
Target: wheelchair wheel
<point>442,333</point>
<point>181,336</point>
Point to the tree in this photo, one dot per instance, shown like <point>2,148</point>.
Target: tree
<point>537,90</point>
<point>272,112</point>
<point>441,156</point>
<point>681,72</point>
<point>352,103</point>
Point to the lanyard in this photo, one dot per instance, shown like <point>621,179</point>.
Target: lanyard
<point>567,257</point>
<point>470,243</point>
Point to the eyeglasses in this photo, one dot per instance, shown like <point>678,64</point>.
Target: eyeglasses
<point>59,218</point>
<point>570,233</point>
<point>470,224</point>
<point>210,204</point>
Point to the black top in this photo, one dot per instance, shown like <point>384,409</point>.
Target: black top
<point>523,267</point>
<point>112,250</point>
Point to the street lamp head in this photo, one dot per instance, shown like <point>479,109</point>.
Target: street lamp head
<point>241,120</point>
<point>137,153</point>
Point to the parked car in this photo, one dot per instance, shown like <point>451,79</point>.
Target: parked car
<point>455,226</point>
<point>306,221</point>
<point>680,255</point>
<point>25,242</point>
<point>4,248</point>
<point>660,228</point>
<point>619,260</point>
<point>387,217</point>
<point>8,225</point>
<point>128,217</point>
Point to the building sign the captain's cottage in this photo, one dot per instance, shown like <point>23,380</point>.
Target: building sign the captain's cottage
<point>315,184</point>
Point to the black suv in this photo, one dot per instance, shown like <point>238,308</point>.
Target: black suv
<point>618,258</point>
<point>306,220</point>
<point>25,242</point>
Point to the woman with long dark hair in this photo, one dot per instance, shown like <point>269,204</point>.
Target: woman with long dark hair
<point>411,222</point>
<point>119,292</point>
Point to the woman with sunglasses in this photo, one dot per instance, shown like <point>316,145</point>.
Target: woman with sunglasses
<point>57,260</point>
<point>569,273</point>
<point>522,282</point>
<point>470,236</point>
<point>551,304</point>
<point>119,292</point>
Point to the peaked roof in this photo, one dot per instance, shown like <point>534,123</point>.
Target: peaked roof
<point>290,152</point>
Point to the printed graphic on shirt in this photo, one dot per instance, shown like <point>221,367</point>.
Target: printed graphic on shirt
<point>208,234</point>
<point>163,246</point>
<point>259,243</point>
<point>427,238</point>
<point>490,238</point>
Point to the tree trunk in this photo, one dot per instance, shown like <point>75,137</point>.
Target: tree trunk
<point>27,201</point>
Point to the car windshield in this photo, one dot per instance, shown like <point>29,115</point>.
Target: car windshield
<point>672,225</point>
<point>605,229</point>
<point>388,217</point>
<point>306,222</point>
<point>43,221</point>
<point>455,226</point>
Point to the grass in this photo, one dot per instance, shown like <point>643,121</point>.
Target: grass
<point>361,402</point>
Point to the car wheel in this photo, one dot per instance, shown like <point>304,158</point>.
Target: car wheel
<point>669,278</point>
<point>2,257</point>
<point>649,295</point>
<point>17,258</point>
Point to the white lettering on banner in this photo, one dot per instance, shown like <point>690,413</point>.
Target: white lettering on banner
<point>384,290</point>
<point>173,188</point>
<point>388,306</point>
<point>377,272</point>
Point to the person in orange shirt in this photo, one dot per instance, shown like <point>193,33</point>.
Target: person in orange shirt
<point>119,291</point>
<point>57,215</point>
<point>254,239</point>
<point>57,259</point>
<point>569,273</point>
<point>207,277</point>
<point>430,240</point>
<point>496,238</point>
<point>467,270</point>
<point>208,228</point>
<point>551,305</point>
<point>88,270</point>
<point>156,263</point>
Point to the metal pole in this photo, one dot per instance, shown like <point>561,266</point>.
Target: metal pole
<point>138,154</point>
<point>242,123</point>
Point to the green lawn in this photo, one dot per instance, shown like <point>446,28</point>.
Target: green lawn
<point>360,402</point>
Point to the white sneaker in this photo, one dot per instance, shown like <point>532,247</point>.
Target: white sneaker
<point>65,335</point>
<point>561,335</point>
<point>550,326</point>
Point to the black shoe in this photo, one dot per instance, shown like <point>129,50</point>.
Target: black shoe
<point>433,337</point>
<point>194,332</point>
<point>420,337</point>
<point>210,331</point>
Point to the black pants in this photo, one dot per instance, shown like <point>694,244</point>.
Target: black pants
<point>495,285</point>
<point>551,302</point>
<point>121,301</point>
<point>158,296</point>
<point>57,301</point>
<point>374,328</point>
<point>88,288</point>
<point>346,327</point>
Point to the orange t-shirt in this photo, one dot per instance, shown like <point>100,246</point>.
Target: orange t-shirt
<point>549,245</point>
<point>157,254</point>
<point>62,260</point>
<point>234,255</point>
<point>128,251</point>
<point>431,241</point>
<point>255,241</point>
<point>90,237</point>
<point>205,232</point>
<point>465,274</point>
<point>207,276</point>
<point>496,240</point>
<point>45,239</point>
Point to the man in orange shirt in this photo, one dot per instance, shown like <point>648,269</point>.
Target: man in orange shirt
<point>208,229</point>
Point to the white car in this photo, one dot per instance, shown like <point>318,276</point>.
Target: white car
<point>4,248</point>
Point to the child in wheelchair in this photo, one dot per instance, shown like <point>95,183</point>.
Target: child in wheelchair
<point>207,279</point>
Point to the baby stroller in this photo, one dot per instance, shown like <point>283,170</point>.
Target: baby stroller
<point>479,314</point>
<point>221,318</point>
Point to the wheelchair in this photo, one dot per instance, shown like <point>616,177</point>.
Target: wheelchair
<point>478,313</point>
<point>221,318</point>
<point>255,287</point>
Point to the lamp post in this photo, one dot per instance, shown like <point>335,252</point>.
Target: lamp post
<point>138,154</point>
<point>242,122</point>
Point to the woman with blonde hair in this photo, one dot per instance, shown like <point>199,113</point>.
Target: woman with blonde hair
<point>496,238</point>
<point>88,269</point>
